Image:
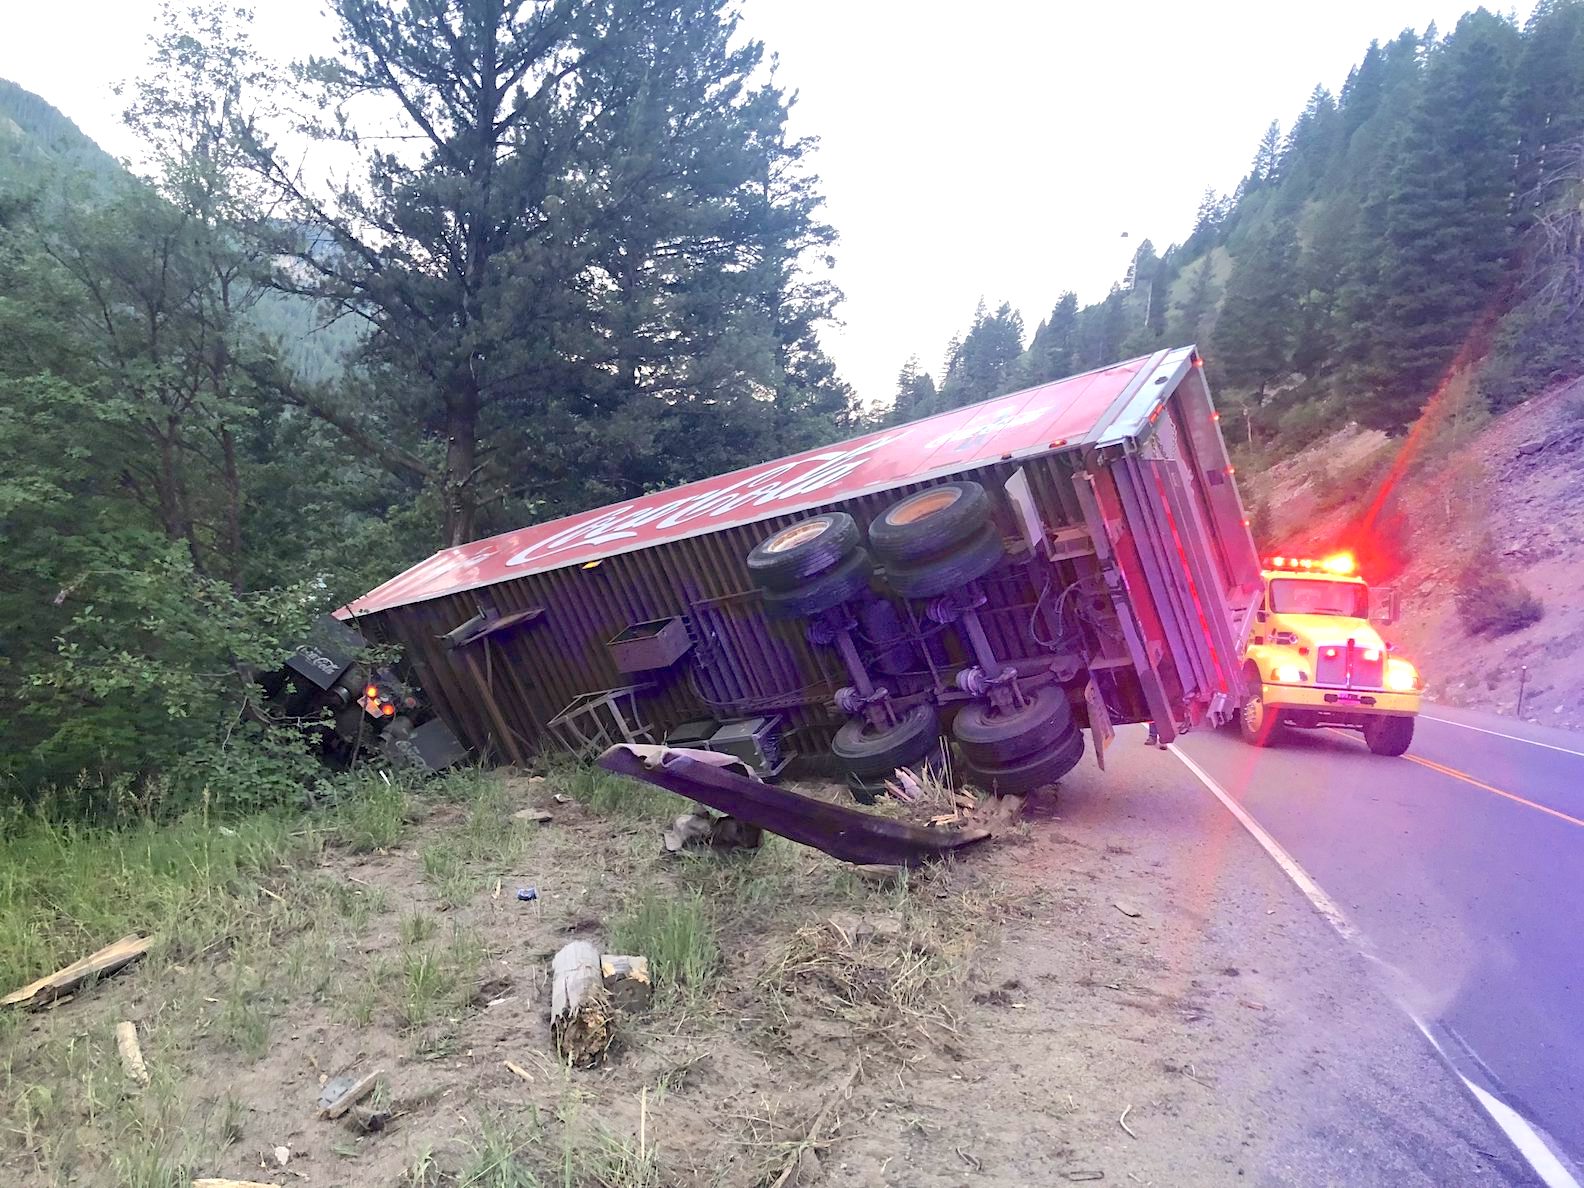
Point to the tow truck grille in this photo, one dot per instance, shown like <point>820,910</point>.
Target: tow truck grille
<point>1369,667</point>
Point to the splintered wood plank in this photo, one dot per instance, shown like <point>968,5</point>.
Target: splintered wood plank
<point>63,981</point>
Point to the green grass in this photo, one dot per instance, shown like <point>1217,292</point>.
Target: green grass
<point>66,890</point>
<point>676,934</point>
<point>620,796</point>
<point>371,813</point>
<point>446,870</point>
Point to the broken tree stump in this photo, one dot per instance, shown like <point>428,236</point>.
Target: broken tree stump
<point>131,1052</point>
<point>96,965</point>
<point>582,1020</point>
<point>627,979</point>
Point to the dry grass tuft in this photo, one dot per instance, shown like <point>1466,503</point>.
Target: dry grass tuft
<point>885,978</point>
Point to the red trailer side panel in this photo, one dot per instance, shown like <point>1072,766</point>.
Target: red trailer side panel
<point>1062,414</point>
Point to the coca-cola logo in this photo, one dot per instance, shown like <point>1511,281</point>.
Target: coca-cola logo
<point>787,480</point>
<point>317,659</point>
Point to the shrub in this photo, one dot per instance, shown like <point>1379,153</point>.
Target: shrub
<point>1493,604</point>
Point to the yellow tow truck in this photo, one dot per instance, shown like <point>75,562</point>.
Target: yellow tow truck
<point>1315,658</point>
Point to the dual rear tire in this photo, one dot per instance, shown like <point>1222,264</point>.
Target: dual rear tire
<point>811,566</point>
<point>1022,749</point>
<point>937,540</point>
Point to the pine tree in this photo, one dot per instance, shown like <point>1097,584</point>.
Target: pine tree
<point>984,363</point>
<point>1547,101</point>
<point>915,393</point>
<point>1192,319</point>
<point>1267,158</point>
<point>1448,221</point>
<point>1258,323</point>
<point>1053,352</point>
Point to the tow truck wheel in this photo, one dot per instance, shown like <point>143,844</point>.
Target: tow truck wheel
<point>863,750</point>
<point>989,737</point>
<point>843,582</point>
<point>971,560</point>
<point>1031,772</point>
<point>1388,735</point>
<point>801,551</point>
<point>929,523</point>
<point>1256,723</point>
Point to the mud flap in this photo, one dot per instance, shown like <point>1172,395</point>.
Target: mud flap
<point>1101,732</point>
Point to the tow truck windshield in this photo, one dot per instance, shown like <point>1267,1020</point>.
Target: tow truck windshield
<point>1293,596</point>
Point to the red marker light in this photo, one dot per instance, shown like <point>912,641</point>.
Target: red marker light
<point>388,710</point>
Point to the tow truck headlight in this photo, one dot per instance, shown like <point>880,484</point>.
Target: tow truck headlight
<point>1401,676</point>
<point>1289,674</point>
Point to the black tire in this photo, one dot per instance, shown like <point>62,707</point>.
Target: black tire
<point>929,523</point>
<point>1256,723</point>
<point>927,579</point>
<point>990,738</point>
<point>864,751</point>
<point>787,559</point>
<point>847,579</point>
<point>1031,772</point>
<point>1388,735</point>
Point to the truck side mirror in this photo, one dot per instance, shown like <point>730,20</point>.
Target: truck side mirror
<point>1383,605</point>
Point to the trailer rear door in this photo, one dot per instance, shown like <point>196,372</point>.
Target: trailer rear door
<point>1174,544</point>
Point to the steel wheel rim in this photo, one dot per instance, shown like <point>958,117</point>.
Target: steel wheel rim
<point>922,506</point>
<point>1254,714</point>
<point>790,538</point>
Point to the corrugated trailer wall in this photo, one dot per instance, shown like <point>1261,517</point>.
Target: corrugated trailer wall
<point>499,693</point>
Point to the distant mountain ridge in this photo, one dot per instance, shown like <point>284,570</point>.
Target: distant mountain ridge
<point>34,132</point>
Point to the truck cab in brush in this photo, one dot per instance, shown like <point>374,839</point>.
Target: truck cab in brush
<point>1316,658</point>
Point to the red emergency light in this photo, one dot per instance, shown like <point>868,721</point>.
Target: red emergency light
<point>1341,564</point>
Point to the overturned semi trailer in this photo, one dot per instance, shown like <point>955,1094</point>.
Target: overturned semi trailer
<point>1004,576</point>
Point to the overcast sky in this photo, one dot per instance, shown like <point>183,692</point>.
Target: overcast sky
<point>980,148</point>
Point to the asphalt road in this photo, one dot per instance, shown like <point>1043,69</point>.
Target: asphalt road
<point>1462,865</point>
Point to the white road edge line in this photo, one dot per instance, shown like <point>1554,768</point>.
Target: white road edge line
<point>1322,902</point>
<point>1514,737</point>
<point>1519,1131</point>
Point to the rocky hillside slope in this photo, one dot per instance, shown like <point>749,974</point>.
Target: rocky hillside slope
<point>1451,506</point>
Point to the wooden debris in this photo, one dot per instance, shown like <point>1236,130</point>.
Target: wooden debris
<point>812,1137</point>
<point>339,1097</point>
<point>582,1021</point>
<point>532,814</point>
<point>131,1052</point>
<point>627,979</point>
<point>702,828</point>
<point>211,1183</point>
<point>63,981</point>
<point>518,1070</point>
<point>997,813</point>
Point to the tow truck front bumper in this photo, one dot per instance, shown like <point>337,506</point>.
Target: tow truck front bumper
<point>1317,705</point>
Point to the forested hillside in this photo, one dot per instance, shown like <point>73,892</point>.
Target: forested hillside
<point>1425,217</point>
<point>575,256</point>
